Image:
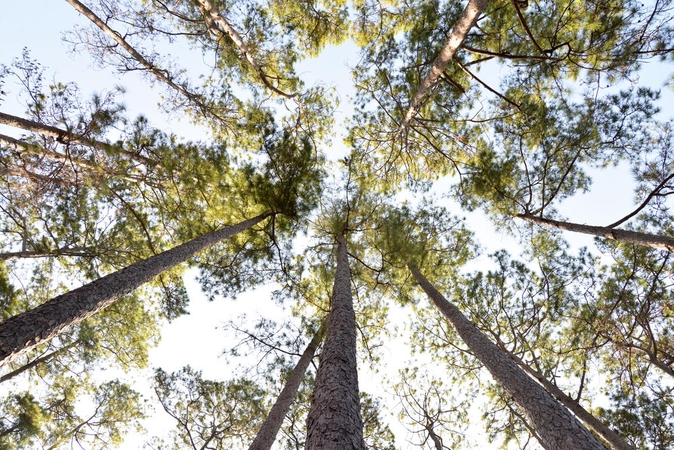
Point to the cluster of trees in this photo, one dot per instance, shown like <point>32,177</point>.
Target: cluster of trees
<point>502,107</point>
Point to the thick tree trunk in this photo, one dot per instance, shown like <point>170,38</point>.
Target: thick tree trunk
<point>468,18</point>
<point>611,437</point>
<point>334,421</point>
<point>635,237</point>
<point>556,427</point>
<point>267,435</point>
<point>27,330</point>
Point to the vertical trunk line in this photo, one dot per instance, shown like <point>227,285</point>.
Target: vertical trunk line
<point>334,421</point>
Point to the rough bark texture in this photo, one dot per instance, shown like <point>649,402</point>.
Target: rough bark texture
<point>334,421</point>
<point>645,239</point>
<point>267,435</point>
<point>556,427</point>
<point>27,330</point>
<point>468,18</point>
<point>611,437</point>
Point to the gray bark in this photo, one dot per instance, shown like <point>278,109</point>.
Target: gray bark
<point>334,421</point>
<point>27,330</point>
<point>213,16</point>
<point>468,18</point>
<point>556,427</point>
<point>62,136</point>
<point>610,436</point>
<point>648,240</point>
<point>267,435</point>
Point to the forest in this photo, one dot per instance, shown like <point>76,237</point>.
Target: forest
<point>414,257</point>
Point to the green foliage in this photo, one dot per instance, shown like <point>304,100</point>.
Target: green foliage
<point>642,420</point>
<point>220,415</point>
<point>56,420</point>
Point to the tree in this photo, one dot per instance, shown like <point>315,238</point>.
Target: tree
<point>86,193</point>
<point>267,434</point>
<point>555,425</point>
<point>334,420</point>
<point>31,328</point>
<point>208,414</point>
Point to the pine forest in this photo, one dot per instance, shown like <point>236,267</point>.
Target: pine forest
<point>337,224</point>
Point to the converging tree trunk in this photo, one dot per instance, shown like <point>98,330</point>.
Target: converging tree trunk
<point>334,421</point>
<point>27,330</point>
<point>60,135</point>
<point>635,237</point>
<point>214,17</point>
<point>555,426</point>
<point>468,18</point>
<point>596,425</point>
<point>267,435</point>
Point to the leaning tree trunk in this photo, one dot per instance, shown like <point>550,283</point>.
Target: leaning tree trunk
<point>596,425</point>
<point>556,427</point>
<point>468,18</point>
<point>267,434</point>
<point>334,421</point>
<point>60,135</point>
<point>635,237</point>
<point>27,330</point>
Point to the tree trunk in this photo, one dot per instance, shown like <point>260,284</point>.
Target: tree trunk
<point>213,16</point>
<point>635,237</point>
<point>334,421</point>
<point>62,136</point>
<point>16,372</point>
<point>267,435</point>
<point>596,425</point>
<point>557,428</point>
<point>29,329</point>
<point>162,74</point>
<point>468,18</point>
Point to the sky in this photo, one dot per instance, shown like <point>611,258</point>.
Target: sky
<point>38,25</point>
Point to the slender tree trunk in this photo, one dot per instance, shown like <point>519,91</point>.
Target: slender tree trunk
<point>557,428</point>
<point>267,435</point>
<point>334,421</point>
<point>610,436</point>
<point>635,237</point>
<point>60,135</point>
<point>468,18</point>
<point>161,74</point>
<point>16,372</point>
<point>27,330</point>
<point>213,15</point>
<point>85,252</point>
<point>21,147</point>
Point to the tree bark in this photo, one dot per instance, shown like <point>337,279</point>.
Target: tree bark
<point>267,435</point>
<point>29,329</point>
<point>596,425</point>
<point>648,240</point>
<point>468,18</point>
<point>214,15</point>
<point>62,136</point>
<point>556,427</point>
<point>334,421</point>
<point>16,372</point>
